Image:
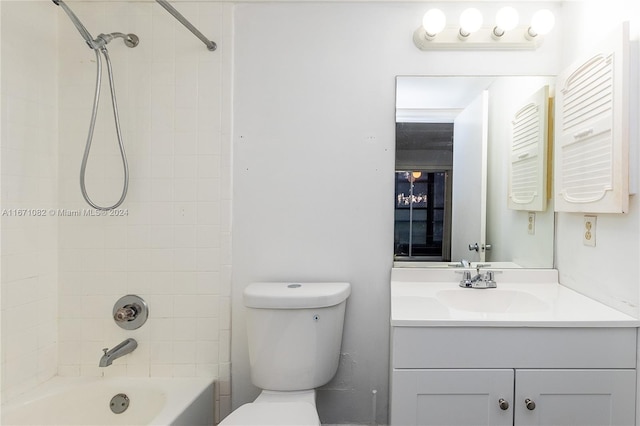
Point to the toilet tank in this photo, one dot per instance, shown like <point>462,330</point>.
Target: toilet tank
<point>294,333</point>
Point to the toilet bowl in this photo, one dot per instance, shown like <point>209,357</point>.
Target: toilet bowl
<point>277,409</point>
<point>294,333</point>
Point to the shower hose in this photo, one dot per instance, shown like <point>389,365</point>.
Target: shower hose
<point>92,125</point>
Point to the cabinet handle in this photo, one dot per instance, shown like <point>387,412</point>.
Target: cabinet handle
<point>503,404</point>
<point>530,404</point>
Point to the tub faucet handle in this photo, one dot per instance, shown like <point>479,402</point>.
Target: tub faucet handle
<point>127,313</point>
<point>130,312</point>
<point>105,350</point>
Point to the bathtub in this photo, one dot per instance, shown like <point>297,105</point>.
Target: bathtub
<point>87,400</point>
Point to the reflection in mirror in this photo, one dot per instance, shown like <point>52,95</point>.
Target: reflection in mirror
<point>421,214</point>
<point>453,137</point>
<point>424,156</point>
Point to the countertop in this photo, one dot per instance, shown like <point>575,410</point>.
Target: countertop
<point>523,298</point>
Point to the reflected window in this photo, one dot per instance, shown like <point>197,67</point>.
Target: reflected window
<point>420,214</point>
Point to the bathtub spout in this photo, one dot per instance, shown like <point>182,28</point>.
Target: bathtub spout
<point>116,352</point>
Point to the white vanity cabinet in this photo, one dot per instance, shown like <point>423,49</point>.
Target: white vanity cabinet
<point>439,397</point>
<point>528,352</point>
<point>513,376</point>
<point>486,397</point>
<point>575,397</point>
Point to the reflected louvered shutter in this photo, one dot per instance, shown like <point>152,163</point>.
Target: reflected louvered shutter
<point>528,165</point>
<point>592,168</point>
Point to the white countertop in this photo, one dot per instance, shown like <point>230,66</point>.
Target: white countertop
<point>523,298</point>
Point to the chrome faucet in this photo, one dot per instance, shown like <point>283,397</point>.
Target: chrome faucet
<point>485,280</point>
<point>125,347</point>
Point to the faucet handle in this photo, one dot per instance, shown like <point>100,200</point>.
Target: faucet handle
<point>466,279</point>
<point>126,313</point>
<point>105,350</point>
<point>489,278</point>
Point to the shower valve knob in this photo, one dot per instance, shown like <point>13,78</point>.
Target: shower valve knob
<point>127,313</point>
<point>130,312</point>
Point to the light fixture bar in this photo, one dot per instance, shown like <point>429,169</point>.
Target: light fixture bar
<point>480,40</point>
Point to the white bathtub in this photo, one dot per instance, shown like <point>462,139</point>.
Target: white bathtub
<point>86,400</point>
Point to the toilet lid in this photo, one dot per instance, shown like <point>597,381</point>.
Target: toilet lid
<point>273,414</point>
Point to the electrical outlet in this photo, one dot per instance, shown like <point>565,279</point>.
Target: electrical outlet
<point>531,223</point>
<point>589,231</point>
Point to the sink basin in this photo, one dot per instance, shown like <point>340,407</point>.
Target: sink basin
<point>491,300</point>
<point>431,297</point>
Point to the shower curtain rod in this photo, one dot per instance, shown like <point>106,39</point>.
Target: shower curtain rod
<point>184,21</point>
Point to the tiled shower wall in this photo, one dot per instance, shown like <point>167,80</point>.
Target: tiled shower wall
<point>171,242</point>
<point>29,169</point>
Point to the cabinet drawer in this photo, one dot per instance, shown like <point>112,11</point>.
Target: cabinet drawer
<point>495,347</point>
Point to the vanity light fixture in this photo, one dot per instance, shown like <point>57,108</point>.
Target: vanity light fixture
<point>506,20</point>
<point>433,22</point>
<point>470,22</point>
<point>434,34</point>
<point>541,23</point>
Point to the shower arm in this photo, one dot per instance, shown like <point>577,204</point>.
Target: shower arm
<point>184,21</point>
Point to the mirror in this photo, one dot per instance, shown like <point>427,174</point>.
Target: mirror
<point>453,145</point>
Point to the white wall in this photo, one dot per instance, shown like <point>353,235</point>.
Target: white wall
<point>608,272</point>
<point>314,159</point>
<point>29,181</point>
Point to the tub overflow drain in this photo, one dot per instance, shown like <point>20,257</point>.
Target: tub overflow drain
<point>119,403</point>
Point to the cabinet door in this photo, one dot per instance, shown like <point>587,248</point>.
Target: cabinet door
<point>528,162</point>
<point>592,130</point>
<point>451,397</point>
<point>575,397</point>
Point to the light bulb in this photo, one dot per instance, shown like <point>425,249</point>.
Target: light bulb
<point>470,21</point>
<point>506,20</point>
<point>433,22</point>
<point>541,23</point>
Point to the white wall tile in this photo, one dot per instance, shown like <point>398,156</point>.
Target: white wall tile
<point>167,248</point>
<point>29,171</point>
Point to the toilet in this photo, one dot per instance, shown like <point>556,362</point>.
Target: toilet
<point>294,334</point>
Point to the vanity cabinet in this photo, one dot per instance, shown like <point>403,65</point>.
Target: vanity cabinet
<point>513,376</point>
<point>503,397</point>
